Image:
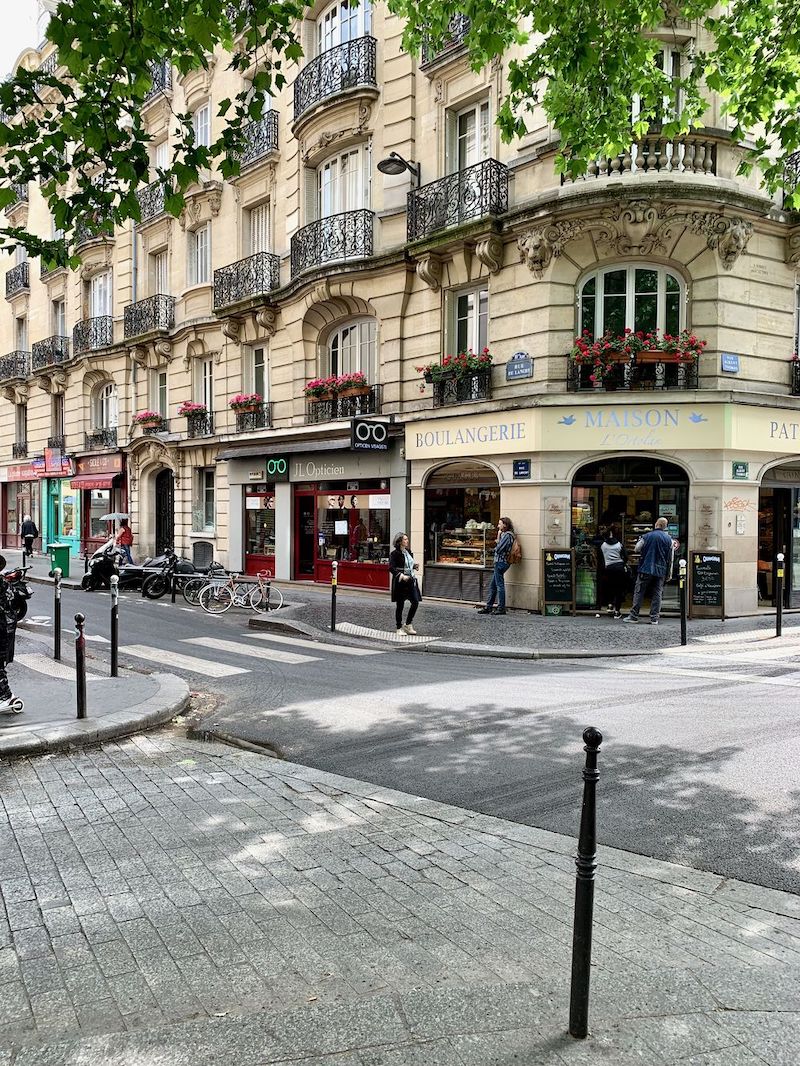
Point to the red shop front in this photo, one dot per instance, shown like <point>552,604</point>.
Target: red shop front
<point>101,481</point>
<point>21,496</point>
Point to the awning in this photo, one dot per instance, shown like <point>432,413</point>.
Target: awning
<point>294,447</point>
<point>94,481</point>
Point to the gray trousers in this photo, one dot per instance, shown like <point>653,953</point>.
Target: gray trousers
<point>656,590</point>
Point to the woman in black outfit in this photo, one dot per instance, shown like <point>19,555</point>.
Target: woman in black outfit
<point>404,583</point>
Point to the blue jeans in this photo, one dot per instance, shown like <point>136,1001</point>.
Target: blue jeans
<point>656,589</point>
<point>498,585</point>
<point>126,549</point>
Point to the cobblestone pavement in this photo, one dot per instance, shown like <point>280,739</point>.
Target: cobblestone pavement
<point>172,903</point>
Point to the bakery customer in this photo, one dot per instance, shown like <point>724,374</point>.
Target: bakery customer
<point>502,551</point>
<point>405,586</point>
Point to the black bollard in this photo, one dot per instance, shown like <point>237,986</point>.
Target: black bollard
<point>682,587</point>
<point>334,568</point>
<point>174,585</point>
<point>586,864</point>
<point>114,625</point>
<point>80,664</point>
<point>57,614</point>
<point>779,596</point>
<point>24,557</point>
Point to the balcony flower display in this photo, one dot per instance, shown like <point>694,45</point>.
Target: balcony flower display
<point>146,418</point>
<point>245,401</point>
<point>189,407</point>
<point>352,384</point>
<point>684,348</point>
<point>455,366</point>
<point>320,388</point>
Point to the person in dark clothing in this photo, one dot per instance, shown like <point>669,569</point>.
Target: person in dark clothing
<point>502,550</point>
<point>655,566</point>
<point>29,533</point>
<point>405,587</point>
<point>9,704</point>
<point>615,571</point>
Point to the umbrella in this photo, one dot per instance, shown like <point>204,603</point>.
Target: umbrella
<point>115,516</point>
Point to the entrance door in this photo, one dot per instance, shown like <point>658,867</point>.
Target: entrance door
<point>165,511</point>
<point>776,520</point>
<point>305,536</point>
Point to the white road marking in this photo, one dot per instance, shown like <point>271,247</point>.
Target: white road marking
<point>160,657</point>
<point>715,675</point>
<point>97,638</point>
<point>235,648</point>
<point>43,664</point>
<point>316,645</point>
<point>37,620</point>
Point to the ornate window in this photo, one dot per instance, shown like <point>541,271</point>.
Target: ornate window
<point>198,252</point>
<point>342,22</point>
<point>256,371</point>
<point>352,347</point>
<point>637,297</point>
<point>468,136</point>
<point>201,123</point>
<point>105,407</point>
<point>469,320</point>
<point>343,182</point>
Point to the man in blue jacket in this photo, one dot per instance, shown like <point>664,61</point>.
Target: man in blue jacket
<point>655,566</point>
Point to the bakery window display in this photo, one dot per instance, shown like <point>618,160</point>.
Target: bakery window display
<point>465,547</point>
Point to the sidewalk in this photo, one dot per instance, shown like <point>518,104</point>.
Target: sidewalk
<point>179,903</point>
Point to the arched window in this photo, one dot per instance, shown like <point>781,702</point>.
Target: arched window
<point>353,347</point>
<point>636,297</point>
<point>342,22</point>
<point>106,407</point>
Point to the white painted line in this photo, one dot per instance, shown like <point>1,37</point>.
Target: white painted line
<point>235,648</point>
<point>161,658</point>
<point>391,637</point>
<point>43,664</point>
<point>716,675</point>
<point>316,645</point>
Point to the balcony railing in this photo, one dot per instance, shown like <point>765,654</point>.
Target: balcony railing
<point>261,138</point>
<point>17,279</point>
<point>454,39</point>
<point>149,316</point>
<point>261,418</point>
<point>637,376</point>
<point>59,443</point>
<point>20,190</point>
<point>49,352</point>
<point>19,449</point>
<point>90,334</point>
<point>47,270</point>
<point>338,238</point>
<point>151,199</point>
<point>335,71</point>
<point>687,154</point>
<point>90,230</point>
<point>795,379</point>
<point>106,437</point>
<point>15,365</point>
<point>368,403</point>
<point>254,276</point>
<point>161,74</point>
<point>471,193</point>
<point>200,424</point>
<point>162,426</point>
<point>471,387</point>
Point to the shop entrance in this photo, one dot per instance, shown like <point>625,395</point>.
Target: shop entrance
<point>305,549</point>
<point>165,511</point>
<point>627,494</point>
<point>779,531</point>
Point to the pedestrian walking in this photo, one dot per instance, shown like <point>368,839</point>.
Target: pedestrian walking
<point>29,533</point>
<point>615,559</point>
<point>405,586</point>
<point>9,703</point>
<point>125,539</point>
<point>656,552</point>
<point>502,551</point>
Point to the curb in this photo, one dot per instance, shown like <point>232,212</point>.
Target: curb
<point>170,700</point>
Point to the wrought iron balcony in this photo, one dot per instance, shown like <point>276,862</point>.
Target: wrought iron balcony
<point>151,201</point>
<point>49,352</point>
<point>341,68</point>
<point>152,430</point>
<point>20,190</point>
<point>90,334</point>
<point>58,443</point>
<point>17,279</point>
<point>691,153</point>
<point>471,193</point>
<point>105,437</point>
<point>261,138</point>
<point>368,403</point>
<point>149,316</point>
<point>47,270</point>
<point>641,376</point>
<point>200,424</point>
<point>254,276</point>
<point>90,230</point>
<point>161,75</point>
<point>338,238</point>
<point>795,371</point>
<point>261,418</point>
<point>19,449</point>
<point>15,365</point>
<point>457,31</point>
<point>474,386</point>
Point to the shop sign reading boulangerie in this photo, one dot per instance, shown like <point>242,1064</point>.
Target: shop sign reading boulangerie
<point>558,582</point>
<point>708,582</point>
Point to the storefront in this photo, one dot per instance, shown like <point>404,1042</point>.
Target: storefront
<point>101,483</point>
<point>779,531</point>
<point>21,496</point>
<point>59,502</point>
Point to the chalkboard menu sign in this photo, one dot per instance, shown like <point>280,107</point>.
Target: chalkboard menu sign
<point>558,581</point>
<point>708,582</point>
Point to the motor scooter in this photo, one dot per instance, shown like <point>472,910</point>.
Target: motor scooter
<point>102,565</point>
<point>19,588</point>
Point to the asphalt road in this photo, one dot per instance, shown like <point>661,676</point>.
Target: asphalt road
<point>699,762</point>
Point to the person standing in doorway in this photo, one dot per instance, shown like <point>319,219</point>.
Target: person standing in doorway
<point>656,552</point>
<point>125,539</point>
<point>29,533</point>
<point>615,570</point>
<point>502,550</point>
<point>405,586</point>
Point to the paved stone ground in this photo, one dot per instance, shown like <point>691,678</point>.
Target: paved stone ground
<point>172,903</point>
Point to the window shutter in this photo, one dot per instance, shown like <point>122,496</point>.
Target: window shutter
<point>191,258</point>
<point>312,211</point>
<point>259,229</point>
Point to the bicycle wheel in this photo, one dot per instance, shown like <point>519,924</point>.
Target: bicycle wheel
<point>193,587</point>
<point>216,599</point>
<point>155,586</point>
<point>266,598</point>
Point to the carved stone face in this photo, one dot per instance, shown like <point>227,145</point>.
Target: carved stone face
<point>733,243</point>
<point>534,250</point>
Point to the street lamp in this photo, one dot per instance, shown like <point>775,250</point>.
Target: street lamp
<point>394,164</point>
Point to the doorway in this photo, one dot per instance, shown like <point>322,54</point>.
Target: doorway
<point>778,531</point>
<point>305,535</point>
<point>165,511</point>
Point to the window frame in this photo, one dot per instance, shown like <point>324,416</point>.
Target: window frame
<point>252,371</point>
<point>478,342</point>
<point>203,385</point>
<point>194,275</point>
<point>21,423</point>
<point>201,125</point>
<point>263,214</point>
<point>58,316</point>
<point>333,343</point>
<point>100,295</point>
<point>158,390</point>
<point>338,192</point>
<point>157,260</point>
<point>205,498</point>
<point>359,19</point>
<point>630,296</point>
<point>105,406</point>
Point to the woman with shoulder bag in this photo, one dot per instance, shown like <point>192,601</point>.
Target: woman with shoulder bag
<point>502,551</point>
<point>405,586</point>
<point>615,559</point>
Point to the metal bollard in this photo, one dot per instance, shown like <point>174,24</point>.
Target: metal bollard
<point>682,588</point>
<point>57,614</point>
<point>586,864</point>
<point>86,562</point>
<point>114,625</point>
<point>24,557</point>
<point>80,664</point>
<point>779,596</point>
<point>334,569</point>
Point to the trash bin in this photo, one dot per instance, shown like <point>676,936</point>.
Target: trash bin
<point>59,556</point>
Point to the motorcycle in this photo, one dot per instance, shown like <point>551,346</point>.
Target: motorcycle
<point>156,585</point>
<point>102,566</point>
<point>19,588</point>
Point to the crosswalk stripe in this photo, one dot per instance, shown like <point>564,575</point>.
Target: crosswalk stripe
<point>715,675</point>
<point>207,667</point>
<point>236,648</point>
<point>315,645</point>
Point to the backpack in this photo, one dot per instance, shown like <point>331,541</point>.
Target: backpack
<point>515,555</point>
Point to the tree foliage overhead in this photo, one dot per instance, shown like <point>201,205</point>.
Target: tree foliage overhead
<point>78,129</point>
<point>586,60</point>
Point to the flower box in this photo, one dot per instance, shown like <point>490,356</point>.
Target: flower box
<point>189,408</point>
<point>245,402</point>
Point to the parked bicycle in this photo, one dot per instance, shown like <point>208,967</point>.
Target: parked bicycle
<point>237,591</point>
<point>189,580</point>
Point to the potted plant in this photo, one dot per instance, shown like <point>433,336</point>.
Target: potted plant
<point>320,388</point>
<point>189,407</point>
<point>352,384</point>
<point>455,366</point>
<point>245,402</point>
<point>147,419</point>
<point>685,348</point>
<point>604,357</point>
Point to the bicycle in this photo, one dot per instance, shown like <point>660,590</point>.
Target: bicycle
<point>195,583</point>
<point>219,596</point>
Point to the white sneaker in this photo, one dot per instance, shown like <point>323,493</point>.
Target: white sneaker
<point>410,630</point>
<point>630,618</point>
<point>401,631</point>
